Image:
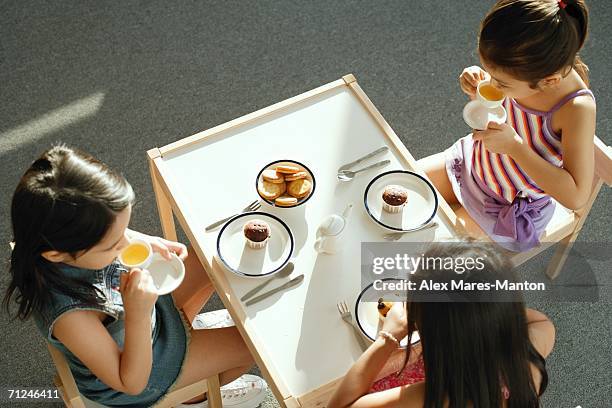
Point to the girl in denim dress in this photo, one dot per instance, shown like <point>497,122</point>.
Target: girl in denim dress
<point>125,345</point>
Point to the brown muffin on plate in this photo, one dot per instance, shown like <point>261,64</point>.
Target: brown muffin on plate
<point>256,233</point>
<point>394,198</point>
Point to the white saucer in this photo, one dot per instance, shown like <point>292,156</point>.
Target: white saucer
<point>419,209</point>
<point>167,274</point>
<point>238,257</point>
<point>477,116</point>
<point>367,316</point>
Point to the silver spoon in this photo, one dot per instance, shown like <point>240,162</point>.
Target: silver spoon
<point>394,236</point>
<point>348,175</point>
<point>283,273</point>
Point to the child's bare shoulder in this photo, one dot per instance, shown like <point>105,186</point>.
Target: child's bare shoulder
<point>577,114</point>
<point>580,106</point>
<point>73,321</point>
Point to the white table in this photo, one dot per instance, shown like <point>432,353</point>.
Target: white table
<point>298,339</point>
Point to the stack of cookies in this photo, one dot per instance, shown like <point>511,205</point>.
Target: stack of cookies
<point>284,184</point>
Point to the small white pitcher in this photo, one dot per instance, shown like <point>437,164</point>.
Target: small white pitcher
<point>329,239</point>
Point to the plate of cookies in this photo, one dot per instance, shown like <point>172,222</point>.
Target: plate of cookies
<point>400,200</point>
<point>285,183</point>
<point>371,310</point>
<point>255,244</point>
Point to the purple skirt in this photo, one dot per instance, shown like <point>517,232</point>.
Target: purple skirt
<point>515,226</point>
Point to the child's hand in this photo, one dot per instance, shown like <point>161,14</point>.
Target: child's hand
<point>165,247</point>
<point>162,246</point>
<point>138,292</point>
<point>499,138</point>
<point>396,321</point>
<point>469,79</point>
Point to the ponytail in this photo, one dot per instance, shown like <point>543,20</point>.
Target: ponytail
<point>578,14</point>
<point>66,202</point>
<point>34,279</point>
<point>582,69</point>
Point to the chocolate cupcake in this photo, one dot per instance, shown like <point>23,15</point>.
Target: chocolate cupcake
<point>256,233</point>
<point>394,198</point>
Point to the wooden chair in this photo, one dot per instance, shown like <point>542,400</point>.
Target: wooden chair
<point>64,381</point>
<point>565,224</point>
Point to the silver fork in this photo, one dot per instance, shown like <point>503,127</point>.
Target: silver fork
<point>254,206</point>
<point>346,315</point>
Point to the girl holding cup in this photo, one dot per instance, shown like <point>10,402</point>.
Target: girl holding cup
<point>125,345</point>
<point>506,176</point>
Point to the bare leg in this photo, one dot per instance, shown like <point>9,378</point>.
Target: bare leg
<point>215,351</point>
<point>195,290</point>
<point>435,167</point>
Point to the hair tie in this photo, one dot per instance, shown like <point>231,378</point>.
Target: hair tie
<point>562,4</point>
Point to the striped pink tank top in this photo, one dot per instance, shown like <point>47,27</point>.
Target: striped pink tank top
<point>500,172</point>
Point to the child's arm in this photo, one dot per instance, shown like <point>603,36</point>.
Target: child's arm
<point>541,331</point>
<point>361,376</point>
<point>84,335</point>
<point>571,184</point>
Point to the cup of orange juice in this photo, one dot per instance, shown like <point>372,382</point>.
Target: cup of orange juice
<point>488,95</point>
<point>137,254</point>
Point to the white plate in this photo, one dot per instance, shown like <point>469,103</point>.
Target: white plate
<point>310,176</point>
<point>243,260</point>
<point>367,316</point>
<point>167,274</point>
<point>477,116</point>
<point>419,209</point>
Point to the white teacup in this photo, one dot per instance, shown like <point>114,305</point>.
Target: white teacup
<point>488,95</point>
<point>138,254</point>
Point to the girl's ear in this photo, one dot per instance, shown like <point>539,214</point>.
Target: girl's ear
<point>550,81</point>
<point>55,256</point>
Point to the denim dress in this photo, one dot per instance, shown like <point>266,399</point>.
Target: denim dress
<point>169,334</point>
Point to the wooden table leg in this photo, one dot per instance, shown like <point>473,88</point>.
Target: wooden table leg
<point>169,230</point>
<point>163,204</point>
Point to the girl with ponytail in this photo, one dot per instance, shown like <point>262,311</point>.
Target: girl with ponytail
<point>506,176</point>
<point>125,345</point>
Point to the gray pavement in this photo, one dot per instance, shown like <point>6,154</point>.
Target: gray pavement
<point>117,78</point>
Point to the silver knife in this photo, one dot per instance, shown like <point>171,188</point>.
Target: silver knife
<point>293,282</point>
<point>367,156</point>
<point>283,273</point>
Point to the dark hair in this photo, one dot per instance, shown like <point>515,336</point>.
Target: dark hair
<point>472,369</point>
<point>532,39</point>
<point>66,201</point>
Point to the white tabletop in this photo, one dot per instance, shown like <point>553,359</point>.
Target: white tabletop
<point>301,330</point>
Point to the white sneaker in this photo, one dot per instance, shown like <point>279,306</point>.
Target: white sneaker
<point>247,391</point>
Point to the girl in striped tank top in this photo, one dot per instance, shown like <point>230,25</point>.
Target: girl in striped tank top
<point>507,176</point>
